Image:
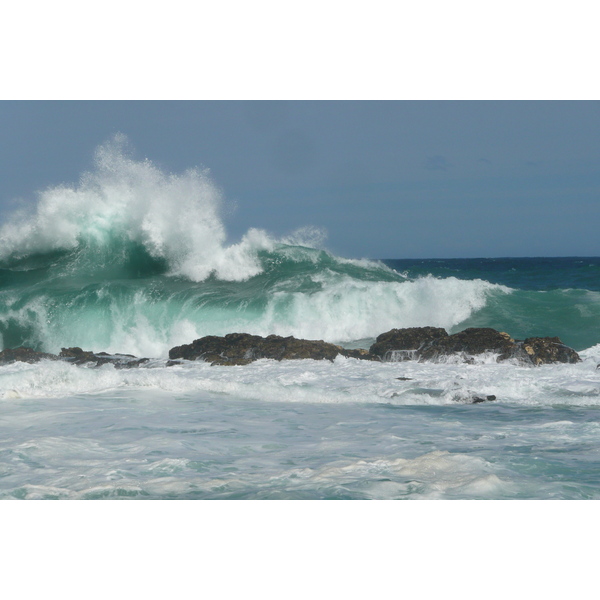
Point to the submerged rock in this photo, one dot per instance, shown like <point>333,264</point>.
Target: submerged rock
<point>243,348</point>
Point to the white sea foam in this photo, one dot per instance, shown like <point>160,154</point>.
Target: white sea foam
<point>297,429</point>
<point>347,309</point>
<point>345,381</point>
<point>174,216</point>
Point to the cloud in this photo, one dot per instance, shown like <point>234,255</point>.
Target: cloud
<point>437,163</point>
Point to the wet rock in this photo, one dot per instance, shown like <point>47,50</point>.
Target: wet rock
<point>23,354</point>
<point>470,342</point>
<point>130,364</point>
<point>77,356</point>
<point>359,353</point>
<point>548,350</point>
<point>405,344</point>
<point>243,348</point>
<point>434,344</point>
<point>479,399</point>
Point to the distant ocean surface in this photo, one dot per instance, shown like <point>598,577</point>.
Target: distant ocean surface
<point>135,260</point>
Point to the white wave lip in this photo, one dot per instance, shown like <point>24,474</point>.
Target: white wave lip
<point>347,309</point>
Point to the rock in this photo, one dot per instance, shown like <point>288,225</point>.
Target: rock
<point>243,348</point>
<point>130,364</point>
<point>433,344</point>
<point>405,344</point>
<point>471,341</point>
<point>548,350</point>
<point>77,356</point>
<point>359,353</point>
<point>478,399</point>
<point>23,354</point>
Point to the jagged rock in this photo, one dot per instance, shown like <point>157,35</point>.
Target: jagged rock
<point>243,348</point>
<point>549,350</point>
<point>23,354</point>
<point>405,344</point>
<point>471,341</point>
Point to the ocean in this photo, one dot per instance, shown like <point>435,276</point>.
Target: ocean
<point>134,260</point>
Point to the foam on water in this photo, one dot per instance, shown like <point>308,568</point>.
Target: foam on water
<point>345,381</point>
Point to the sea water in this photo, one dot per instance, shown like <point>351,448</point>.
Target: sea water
<point>135,260</point>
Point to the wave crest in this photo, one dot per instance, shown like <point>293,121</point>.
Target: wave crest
<point>174,217</point>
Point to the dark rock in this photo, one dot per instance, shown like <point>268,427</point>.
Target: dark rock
<point>548,350</point>
<point>129,364</point>
<point>77,356</point>
<point>23,354</point>
<point>359,353</point>
<point>243,348</point>
<point>433,344</point>
<point>405,344</point>
<point>404,378</point>
<point>471,341</point>
<point>478,399</point>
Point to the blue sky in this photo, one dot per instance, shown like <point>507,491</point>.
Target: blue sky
<point>385,179</point>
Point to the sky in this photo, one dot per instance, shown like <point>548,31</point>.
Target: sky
<point>385,179</point>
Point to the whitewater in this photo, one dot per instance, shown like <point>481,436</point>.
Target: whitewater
<point>132,259</point>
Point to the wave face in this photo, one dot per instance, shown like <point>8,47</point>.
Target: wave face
<point>133,259</point>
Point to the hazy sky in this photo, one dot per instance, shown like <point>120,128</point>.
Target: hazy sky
<point>388,179</point>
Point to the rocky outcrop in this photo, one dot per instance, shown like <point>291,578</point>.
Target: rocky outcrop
<point>23,354</point>
<point>434,344</point>
<point>414,343</point>
<point>243,348</point>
